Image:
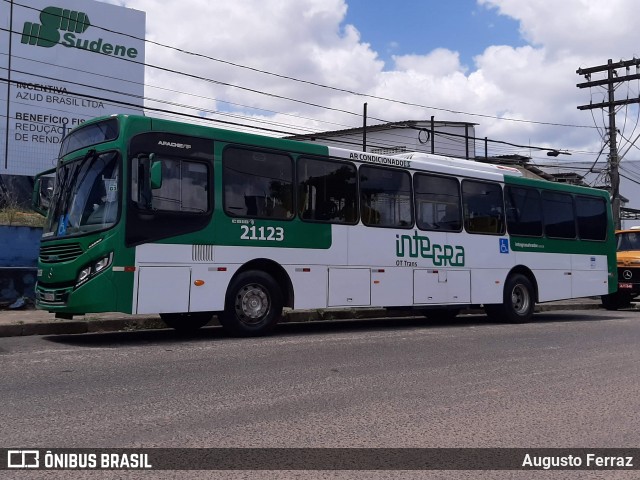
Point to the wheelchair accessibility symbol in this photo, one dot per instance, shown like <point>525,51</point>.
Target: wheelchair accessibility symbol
<point>504,245</point>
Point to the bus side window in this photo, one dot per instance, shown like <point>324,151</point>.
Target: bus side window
<point>257,184</point>
<point>559,215</point>
<point>524,211</point>
<point>385,197</point>
<point>183,187</point>
<point>592,218</point>
<point>450,219</point>
<point>437,202</point>
<point>327,191</point>
<point>483,207</point>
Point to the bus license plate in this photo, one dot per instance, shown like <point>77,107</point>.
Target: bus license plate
<point>49,297</point>
<point>625,285</point>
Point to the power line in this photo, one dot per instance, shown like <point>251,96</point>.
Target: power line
<point>309,82</point>
<point>612,82</point>
<point>134,105</point>
<point>264,129</point>
<point>226,84</point>
<point>265,93</point>
<point>125,80</point>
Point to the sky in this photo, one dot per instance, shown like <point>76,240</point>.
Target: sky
<point>419,26</point>
<point>299,66</point>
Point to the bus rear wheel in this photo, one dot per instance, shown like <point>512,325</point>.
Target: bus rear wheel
<point>253,305</point>
<point>518,301</point>
<point>186,322</point>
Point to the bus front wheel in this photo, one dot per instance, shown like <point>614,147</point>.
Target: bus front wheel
<point>518,302</point>
<point>253,305</point>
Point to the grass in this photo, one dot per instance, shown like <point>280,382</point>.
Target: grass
<point>20,217</point>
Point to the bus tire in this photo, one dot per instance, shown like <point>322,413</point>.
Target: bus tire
<point>616,300</point>
<point>518,301</point>
<point>186,322</point>
<point>253,305</point>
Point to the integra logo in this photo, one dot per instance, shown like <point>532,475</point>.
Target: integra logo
<point>419,246</point>
<point>163,143</point>
<point>53,20</point>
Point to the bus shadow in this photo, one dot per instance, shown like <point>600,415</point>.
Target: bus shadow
<point>576,316</point>
<point>461,321</point>
<point>216,333</point>
<point>136,337</point>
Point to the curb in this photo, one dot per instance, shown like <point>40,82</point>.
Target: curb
<point>67,327</point>
<point>91,324</point>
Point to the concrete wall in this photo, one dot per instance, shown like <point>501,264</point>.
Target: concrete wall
<point>18,260</point>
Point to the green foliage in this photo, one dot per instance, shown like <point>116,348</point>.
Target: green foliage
<point>12,213</point>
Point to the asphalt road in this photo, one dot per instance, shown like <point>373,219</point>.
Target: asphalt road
<point>566,380</point>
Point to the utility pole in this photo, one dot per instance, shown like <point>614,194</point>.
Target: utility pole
<point>612,79</point>
<point>364,128</point>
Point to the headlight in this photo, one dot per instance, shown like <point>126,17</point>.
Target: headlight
<point>95,268</point>
<point>84,274</point>
<point>102,264</point>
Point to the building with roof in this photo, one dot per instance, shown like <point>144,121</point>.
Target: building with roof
<point>454,139</point>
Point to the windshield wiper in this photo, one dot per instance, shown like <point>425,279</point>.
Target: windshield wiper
<point>90,154</point>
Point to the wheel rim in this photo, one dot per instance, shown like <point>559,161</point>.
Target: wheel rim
<point>252,303</point>
<point>520,299</point>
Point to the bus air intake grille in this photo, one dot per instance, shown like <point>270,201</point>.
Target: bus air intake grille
<point>202,253</point>
<point>60,253</point>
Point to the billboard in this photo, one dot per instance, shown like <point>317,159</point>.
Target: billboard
<point>65,61</point>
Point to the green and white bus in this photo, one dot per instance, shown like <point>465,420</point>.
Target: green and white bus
<point>150,216</point>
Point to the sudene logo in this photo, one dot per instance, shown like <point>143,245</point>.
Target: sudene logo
<point>54,20</point>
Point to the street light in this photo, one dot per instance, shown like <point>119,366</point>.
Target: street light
<point>555,153</point>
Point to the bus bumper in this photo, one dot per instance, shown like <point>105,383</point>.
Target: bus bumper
<point>97,295</point>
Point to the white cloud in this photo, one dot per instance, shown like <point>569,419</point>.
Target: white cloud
<point>439,62</point>
<point>589,28</point>
<point>308,39</point>
<point>304,39</point>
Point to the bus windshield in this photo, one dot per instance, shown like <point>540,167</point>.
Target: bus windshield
<point>88,135</point>
<point>85,196</point>
<point>628,241</point>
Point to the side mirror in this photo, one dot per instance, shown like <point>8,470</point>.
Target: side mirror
<point>156,173</point>
<point>42,192</point>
